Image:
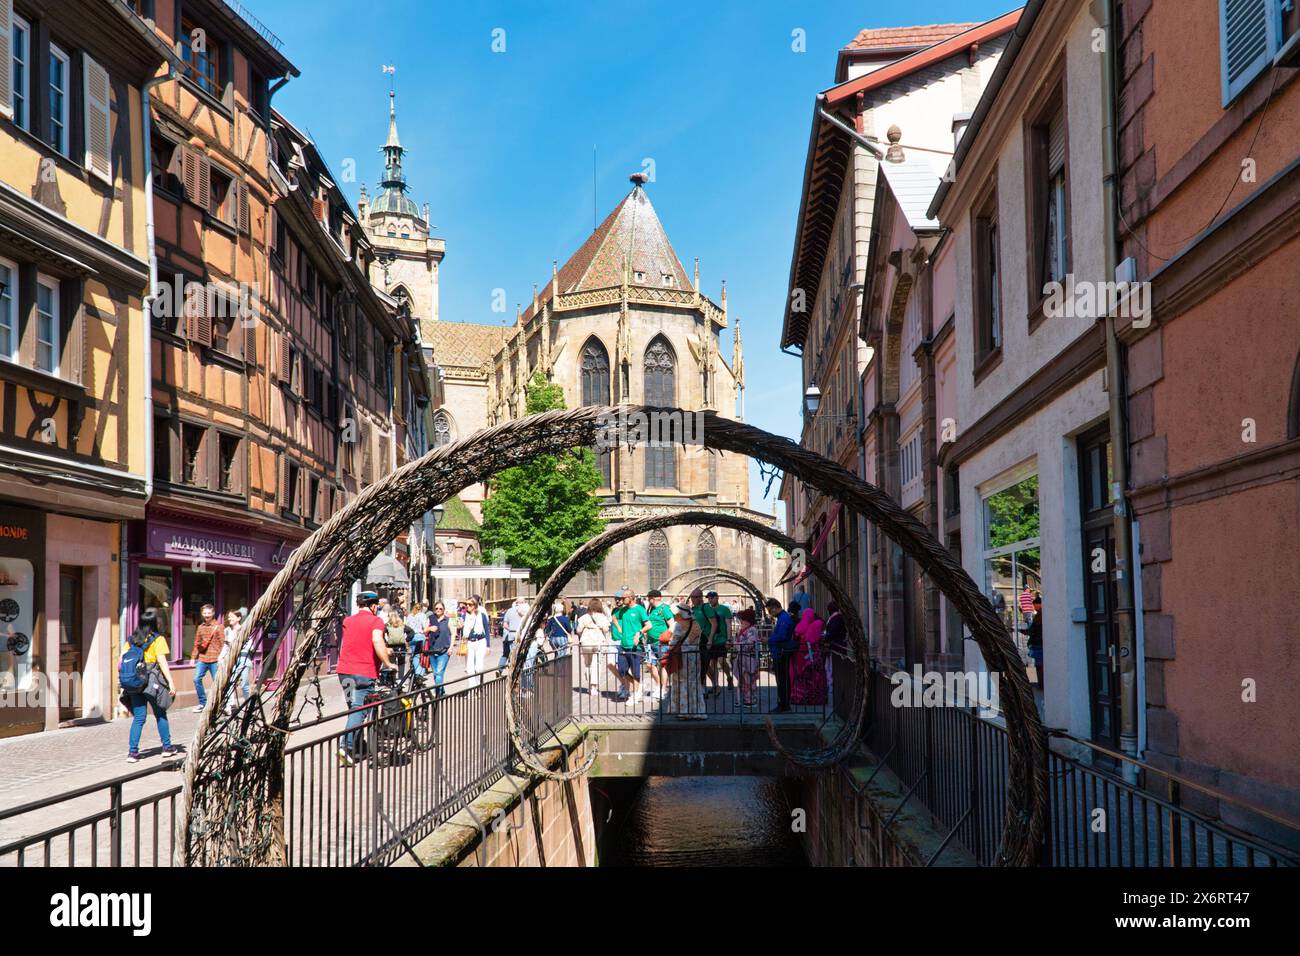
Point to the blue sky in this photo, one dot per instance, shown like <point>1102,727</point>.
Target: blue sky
<point>500,144</point>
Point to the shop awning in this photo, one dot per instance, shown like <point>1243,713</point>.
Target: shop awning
<point>386,569</point>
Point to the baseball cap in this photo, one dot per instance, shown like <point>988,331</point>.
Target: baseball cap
<point>654,592</point>
<point>711,594</point>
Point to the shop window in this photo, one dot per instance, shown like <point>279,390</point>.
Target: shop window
<point>235,593</point>
<point>156,593</point>
<point>17,624</point>
<point>197,589</point>
<point>1012,556</point>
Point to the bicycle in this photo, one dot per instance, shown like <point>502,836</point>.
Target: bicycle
<point>403,716</point>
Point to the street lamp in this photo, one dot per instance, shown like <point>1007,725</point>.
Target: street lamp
<point>812,398</point>
<point>437,511</point>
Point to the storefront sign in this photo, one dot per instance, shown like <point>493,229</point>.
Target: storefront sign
<point>176,543</point>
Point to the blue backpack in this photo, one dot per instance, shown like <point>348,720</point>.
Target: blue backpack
<point>132,671</point>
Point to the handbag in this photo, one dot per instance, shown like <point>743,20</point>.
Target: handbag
<point>157,691</point>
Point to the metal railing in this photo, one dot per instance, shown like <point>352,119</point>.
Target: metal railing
<point>425,757</point>
<point>740,681</point>
<point>954,763</point>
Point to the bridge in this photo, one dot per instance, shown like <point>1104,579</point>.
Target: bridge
<point>441,786</point>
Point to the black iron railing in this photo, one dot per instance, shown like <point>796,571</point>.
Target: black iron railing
<point>954,762</point>
<point>422,757</point>
<point>739,681</point>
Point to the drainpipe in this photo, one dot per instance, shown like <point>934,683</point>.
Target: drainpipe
<point>1125,565</point>
<point>146,332</point>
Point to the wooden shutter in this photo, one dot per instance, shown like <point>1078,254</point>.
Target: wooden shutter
<point>190,162</point>
<point>1248,39</point>
<point>250,340</point>
<point>284,481</point>
<point>6,58</point>
<point>198,324</point>
<point>241,209</point>
<point>204,197</point>
<point>99,157</point>
<point>282,370</point>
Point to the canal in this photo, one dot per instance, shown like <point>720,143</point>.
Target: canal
<point>696,821</point>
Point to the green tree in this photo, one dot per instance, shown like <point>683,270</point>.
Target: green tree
<point>540,512</point>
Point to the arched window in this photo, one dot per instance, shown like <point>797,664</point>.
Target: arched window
<point>658,558</point>
<point>595,390</point>
<point>441,429</point>
<point>660,390</point>
<point>706,550</point>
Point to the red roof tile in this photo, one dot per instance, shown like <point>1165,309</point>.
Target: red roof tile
<point>891,38</point>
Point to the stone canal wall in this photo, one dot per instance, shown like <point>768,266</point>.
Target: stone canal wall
<point>519,821</point>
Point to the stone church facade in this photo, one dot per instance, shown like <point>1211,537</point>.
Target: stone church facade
<point>623,321</point>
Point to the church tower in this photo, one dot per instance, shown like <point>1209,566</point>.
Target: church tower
<point>407,258</point>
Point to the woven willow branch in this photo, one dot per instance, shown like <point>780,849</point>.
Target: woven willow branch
<point>231,808</point>
<point>827,756</point>
<point>698,577</point>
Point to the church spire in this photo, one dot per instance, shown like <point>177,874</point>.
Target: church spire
<point>392,198</point>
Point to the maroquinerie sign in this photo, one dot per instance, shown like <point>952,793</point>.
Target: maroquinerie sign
<point>177,543</point>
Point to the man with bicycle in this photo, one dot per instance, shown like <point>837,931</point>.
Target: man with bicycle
<point>363,652</point>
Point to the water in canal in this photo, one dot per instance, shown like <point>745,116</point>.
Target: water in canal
<point>696,821</point>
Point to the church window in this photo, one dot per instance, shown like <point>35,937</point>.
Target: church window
<point>595,391</point>
<point>660,391</point>
<point>657,554</point>
<point>441,429</point>
<point>706,550</point>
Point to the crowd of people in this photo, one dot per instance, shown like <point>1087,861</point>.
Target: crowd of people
<point>677,652</point>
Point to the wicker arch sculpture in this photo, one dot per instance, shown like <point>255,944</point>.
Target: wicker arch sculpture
<point>835,751</point>
<point>698,577</point>
<point>231,808</point>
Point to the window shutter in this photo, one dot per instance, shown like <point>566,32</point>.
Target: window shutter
<point>1248,38</point>
<point>242,198</point>
<point>204,197</point>
<point>284,481</point>
<point>99,158</point>
<point>6,58</point>
<point>250,340</point>
<point>190,162</point>
<point>1056,144</point>
<point>282,358</point>
<point>198,324</point>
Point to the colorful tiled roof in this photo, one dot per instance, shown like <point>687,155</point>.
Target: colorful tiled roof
<point>893,38</point>
<point>463,343</point>
<point>634,229</point>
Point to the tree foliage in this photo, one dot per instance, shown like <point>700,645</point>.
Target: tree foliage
<point>540,512</point>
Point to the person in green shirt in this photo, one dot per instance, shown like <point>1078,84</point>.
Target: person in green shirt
<point>630,625</point>
<point>720,634</point>
<point>704,621</point>
<point>657,638</point>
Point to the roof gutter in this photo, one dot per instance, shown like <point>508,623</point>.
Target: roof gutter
<point>1027,17</point>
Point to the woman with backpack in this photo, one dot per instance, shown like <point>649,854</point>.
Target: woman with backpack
<point>144,655</point>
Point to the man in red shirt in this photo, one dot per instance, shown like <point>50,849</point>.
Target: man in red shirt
<point>362,653</point>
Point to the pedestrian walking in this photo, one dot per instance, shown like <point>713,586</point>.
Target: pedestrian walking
<point>781,645</point>
<point>630,625</point>
<point>747,658</point>
<point>209,639</point>
<point>143,661</point>
<point>243,662</point>
<point>398,637</point>
<point>476,631</point>
<point>363,652</point>
<point>438,640</point>
<point>593,638</point>
<point>559,629</point>
<point>512,623</point>
<point>416,622</point>
<point>682,662</point>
